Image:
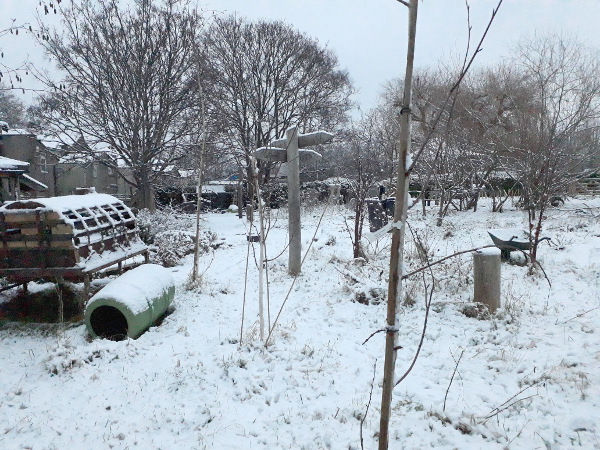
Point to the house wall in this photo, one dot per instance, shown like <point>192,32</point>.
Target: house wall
<point>91,174</point>
<point>42,163</point>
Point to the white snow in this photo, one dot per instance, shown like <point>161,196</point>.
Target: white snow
<point>138,287</point>
<point>9,163</point>
<point>37,183</point>
<point>70,202</point>
<point>95,260</point>
<point>527,378</point>
<point>492,251</point>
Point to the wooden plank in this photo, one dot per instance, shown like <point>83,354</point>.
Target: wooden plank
<point>30,223</point>
<point>29,215</point>
<point>36,258</point>
<point>16,244</point>
<point>62,229</point>
<point>36,238</point>
<point>61,244</point>
<point>114,262</point>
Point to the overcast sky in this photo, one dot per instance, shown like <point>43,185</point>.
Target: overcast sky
<point>369,36</point>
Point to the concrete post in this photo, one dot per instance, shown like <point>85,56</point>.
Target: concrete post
<point>293,179</point>
<point>486,275</point>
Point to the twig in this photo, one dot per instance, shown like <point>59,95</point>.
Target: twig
<point>501,408</point>
<point>582,314</point>
<point>414,361</point>
<point>454,87</point>
<point>373,334</point>
<point>517,435</point>
<point>362,421</point>
<point>245,289</point>
<point>452,378</point>
<point>544,272</point>
<point>444,259</point>
<point>508,406</point>
<point>295,276</point>
<point>347,274</point>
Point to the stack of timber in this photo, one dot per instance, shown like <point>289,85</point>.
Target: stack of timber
<point>70,236</point>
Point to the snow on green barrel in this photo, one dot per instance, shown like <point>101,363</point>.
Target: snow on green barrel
<point>130,304</point>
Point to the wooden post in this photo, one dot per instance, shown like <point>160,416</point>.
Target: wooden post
<point>486,275</point>
<point>240,199</point>
<point>290,150</point>
<point>200,169</point>
<point>293,179</point>
<point>86,290</point>
<point>261,260</point>
<point>17,189</point>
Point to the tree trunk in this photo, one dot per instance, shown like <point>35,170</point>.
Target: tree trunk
<point>398,227</point>
<point>145,191</point>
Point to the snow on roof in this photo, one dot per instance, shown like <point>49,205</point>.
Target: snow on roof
<point>33,182</point>
<point>66,202</point>
<point>9,163</point>
<point>213,188</point>
<point>17,131</point>
<point>78,158</point>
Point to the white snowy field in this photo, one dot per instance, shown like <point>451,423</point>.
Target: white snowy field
<point>527,378</point>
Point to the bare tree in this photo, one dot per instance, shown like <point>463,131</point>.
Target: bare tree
<point>9,74</point>
<point>363,156</point>
<point>12,74</point>
<point>267,76</point>
<point>549,143</point>
<point>129,82</point>
<point>12,109</point>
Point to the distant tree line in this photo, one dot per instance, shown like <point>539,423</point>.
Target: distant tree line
<point>135,76</point>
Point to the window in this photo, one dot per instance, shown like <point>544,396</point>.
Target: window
<point>43,162</point>
<point>95,170</point>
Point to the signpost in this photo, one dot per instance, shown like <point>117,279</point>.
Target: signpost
<point>290,150</point>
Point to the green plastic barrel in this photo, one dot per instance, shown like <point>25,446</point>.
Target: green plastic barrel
<point>129,305</point>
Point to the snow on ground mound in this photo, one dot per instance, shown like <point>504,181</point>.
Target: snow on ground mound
<point>526,378</point>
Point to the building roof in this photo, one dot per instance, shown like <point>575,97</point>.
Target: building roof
<point>17,132</point>
<point>33,183</point>
<point>13,165</point>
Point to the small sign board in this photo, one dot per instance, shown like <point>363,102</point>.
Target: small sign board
<point>305,140</point>
<point>280,154</point>
<point>316,138</point>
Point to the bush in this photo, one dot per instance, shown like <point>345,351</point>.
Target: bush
<point>168,233</point>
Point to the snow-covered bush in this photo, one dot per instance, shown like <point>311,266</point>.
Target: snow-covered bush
<point>170,235</point>
<point>166,219</point>
<point>172,246</point>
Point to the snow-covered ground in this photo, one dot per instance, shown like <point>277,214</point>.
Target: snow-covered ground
<point>527,378</point>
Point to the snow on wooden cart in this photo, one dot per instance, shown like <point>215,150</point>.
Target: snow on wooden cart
<point>69,237</point>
